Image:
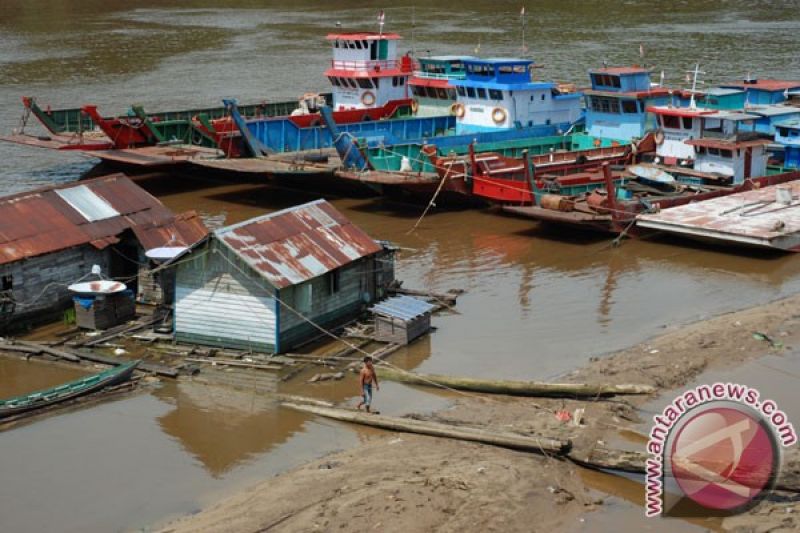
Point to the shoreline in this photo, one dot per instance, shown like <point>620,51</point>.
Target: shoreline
<point>399,481</point>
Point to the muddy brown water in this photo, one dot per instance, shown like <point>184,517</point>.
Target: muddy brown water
<point>539,302</point>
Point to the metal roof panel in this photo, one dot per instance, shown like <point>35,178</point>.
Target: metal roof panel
<point>403,307</point>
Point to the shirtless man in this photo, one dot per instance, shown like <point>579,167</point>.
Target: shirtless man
<point>366,378</point>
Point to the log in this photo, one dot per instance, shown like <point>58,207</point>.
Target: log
<point>512,388</point>
<point>449,298</point>
<point>61,354</point>
<point>435,429</point>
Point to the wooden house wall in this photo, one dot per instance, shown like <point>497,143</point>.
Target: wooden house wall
<point>218,304</point>
<point>51,273</point>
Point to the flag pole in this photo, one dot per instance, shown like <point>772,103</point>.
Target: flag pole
<point>522,20</point>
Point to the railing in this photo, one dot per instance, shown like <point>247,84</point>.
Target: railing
<point>438,76</point>
<point>366,65</point>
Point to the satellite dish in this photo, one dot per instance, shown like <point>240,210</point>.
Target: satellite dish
<point>165,253</point>
<point>103,286</point>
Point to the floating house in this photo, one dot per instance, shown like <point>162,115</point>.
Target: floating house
<point>616,105</point>
<point>430,85</point>
<point>267,283</point>
<point>499,94</point>
<point>787,134</point>
<point>764,92</point>
<point>51,237</point>
<point>365,71</point>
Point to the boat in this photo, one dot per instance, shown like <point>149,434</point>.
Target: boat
<point>430,84</point>
<point>67,391</point>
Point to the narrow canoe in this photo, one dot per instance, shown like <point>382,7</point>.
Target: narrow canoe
<point>67,391</point>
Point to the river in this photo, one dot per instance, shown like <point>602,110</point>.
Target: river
<point>538,302</point>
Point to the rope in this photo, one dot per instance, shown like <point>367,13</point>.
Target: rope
<point>432,201</point>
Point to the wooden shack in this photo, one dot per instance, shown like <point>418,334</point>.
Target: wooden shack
<point>401,319</point>
<point>52,236</point>
<point>270,283</point>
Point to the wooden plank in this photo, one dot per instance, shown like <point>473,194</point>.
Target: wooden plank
<point>435,429</point>
<point>233,362</point>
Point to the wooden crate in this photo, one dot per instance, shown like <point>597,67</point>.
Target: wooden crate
<point>400,331</point>
<point>106,311</point>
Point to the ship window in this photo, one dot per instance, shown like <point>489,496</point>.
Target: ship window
<point>442,94</point>
<point>402,80</point>
<point>481,93</point>
<point>352,82</point>
<point>713,151</point>
<point>629,106</point>
<point>605,106</point>
<point>431,92</point>
<point>471,92</point>
<point>415,90</point>
<point>671,121</point>
<point>783,132</point>
<point>364,45</point>
<point>505,69</point>
<point>615,81</point>
<point>333,80</point>
<point>519,69</point>
<point>461,91</point>
<point>494,94</point>
<point>726,153</point>
<point>700,150</point>
<point>457,65</point>
<point>394,81</point>
<point>544,95</point>
<point>358,45</point>
<point>614,105</point>
<point>376,82</point>
<point>687,123</point>
<point>451,94</point>
<point>364,83</point>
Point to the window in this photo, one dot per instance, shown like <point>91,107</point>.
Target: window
<point>441,93</point>
<point>544,96</point>
<point>519,69</point>
<point>713,151</point>
<point>351,82</point>
<point>376,82</point>
<point>451,94</point>
<point>494,94</point>
<point>402,80</point>
<point>364,83</point>
<point>333,80</point>
<point>334,278</point>
<point>7,282</point>
<point>671,122</point>
<point>783,132</point>
<point>358,45</point>
<point>687,123</point>
<point>303,297</point>
<point>461,91</point>
<point>470,92</point>
<point>417,91</point>
<point>431,92</point>
<point>481,93</point>
<point>394,81</point>
<point>615,81</point>
<point>614,105</point>
<point>728,154</point>
<point>629,106</point>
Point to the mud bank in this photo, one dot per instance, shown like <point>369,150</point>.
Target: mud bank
<point>402,482</point>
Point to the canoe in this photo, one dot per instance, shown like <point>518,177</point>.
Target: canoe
<point>67,391</point>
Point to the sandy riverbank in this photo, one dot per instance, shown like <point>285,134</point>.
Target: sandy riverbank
<point>402,482</point>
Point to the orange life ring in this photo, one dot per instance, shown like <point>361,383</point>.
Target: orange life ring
<point>597,143</point>
<point>499,115</point>
<point>659,137</point>
<point>414,106</point>
<point>368,98</point>
<point>458,110</point>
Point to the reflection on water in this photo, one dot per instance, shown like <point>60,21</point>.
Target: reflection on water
<point>539,303</point>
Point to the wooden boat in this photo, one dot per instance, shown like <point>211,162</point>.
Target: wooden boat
<point>614,210</point>
<point>67,391</point>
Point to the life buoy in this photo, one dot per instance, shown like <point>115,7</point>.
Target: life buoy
<point>458,110</point>
<point>499,115</point>
<point>368,98</point>
<point>414,106</point>
<point>659,137</point>
<point>597,143</point>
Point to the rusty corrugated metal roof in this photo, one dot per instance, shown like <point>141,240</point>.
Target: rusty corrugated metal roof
<point>58,217</point>
<point>297,244</point>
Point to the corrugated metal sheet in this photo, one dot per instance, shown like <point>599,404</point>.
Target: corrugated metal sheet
<point>227,318</point>
<point>297,244</point>
<point>403,307</point>
<point>59,217</point>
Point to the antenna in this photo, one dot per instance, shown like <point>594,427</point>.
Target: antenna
<point>413,27</point>
<point>695,81</point>
<point>522,20</point>
<point>381,20</point>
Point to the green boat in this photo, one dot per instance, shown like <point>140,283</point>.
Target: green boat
<point>67,391</point>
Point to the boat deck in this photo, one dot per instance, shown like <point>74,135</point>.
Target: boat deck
<point>156,156</point>
<point>596,221</point>
<point>750,218</point>
<point>89,141</point>
<point>378,177</point>
<point>286,164</point>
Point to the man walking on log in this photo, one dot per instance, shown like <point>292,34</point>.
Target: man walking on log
<point>366,378</point>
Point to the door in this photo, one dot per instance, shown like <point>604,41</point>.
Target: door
<point>383,49</point>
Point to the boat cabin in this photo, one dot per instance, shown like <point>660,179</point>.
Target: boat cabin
<point>738,159</point>
<point>499,94</point>
<point>770,115</point>
<point>763,92</point>
<point>678,125</point>
<point>616,105</point>
<point>430,85</point>
<point>713,98</point>
<point>365,71</point>
<point>787,134</point>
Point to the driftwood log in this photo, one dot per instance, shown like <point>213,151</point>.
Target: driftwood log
<point>513,388</point>
<point>496,438</point>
